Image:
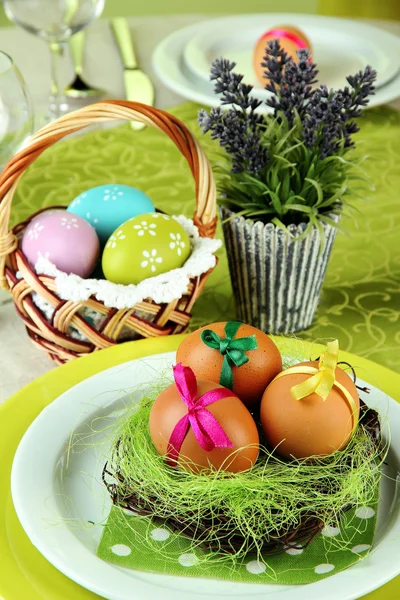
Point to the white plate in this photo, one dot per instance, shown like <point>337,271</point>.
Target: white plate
<point>55,494</point>
<point>172,70</point>
<point>340,47</point>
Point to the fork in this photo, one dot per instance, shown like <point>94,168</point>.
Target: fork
<point>79,88</point>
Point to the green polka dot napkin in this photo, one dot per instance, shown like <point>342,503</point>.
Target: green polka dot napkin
<point>141,544</point>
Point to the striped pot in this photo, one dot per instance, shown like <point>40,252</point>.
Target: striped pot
<point>275,279</point>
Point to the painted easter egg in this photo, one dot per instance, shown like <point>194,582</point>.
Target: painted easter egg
<point>234,354</point>
<point>67,240</point>
<point>106,207</point>
<point>311,425</point>
<point>290,39</point>
<point>144,247</point>
<point>220,433</point>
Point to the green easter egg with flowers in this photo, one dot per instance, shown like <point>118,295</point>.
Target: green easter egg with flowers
<point>143,247</point>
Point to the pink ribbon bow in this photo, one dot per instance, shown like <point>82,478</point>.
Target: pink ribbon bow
<point>208,432</point>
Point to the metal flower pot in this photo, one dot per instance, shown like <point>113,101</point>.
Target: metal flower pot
<point>276,280</point>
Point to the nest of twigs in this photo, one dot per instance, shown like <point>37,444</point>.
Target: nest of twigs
<point>275,505</point>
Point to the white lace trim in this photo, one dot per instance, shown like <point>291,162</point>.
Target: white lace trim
<point>162,288</point>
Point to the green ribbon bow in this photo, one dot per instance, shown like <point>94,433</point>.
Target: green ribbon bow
<point>233,350</point>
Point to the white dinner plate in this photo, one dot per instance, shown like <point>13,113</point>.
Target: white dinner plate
<point>57,493</point>
<point>340,47</point>
<point>170,66</point>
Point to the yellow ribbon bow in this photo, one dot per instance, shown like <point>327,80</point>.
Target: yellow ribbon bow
<point>322,380</point>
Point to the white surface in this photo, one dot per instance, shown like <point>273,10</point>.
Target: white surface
<point>19,358</point>
<point>170,63</point>
<point>339,47</point>
<point>55,493</point>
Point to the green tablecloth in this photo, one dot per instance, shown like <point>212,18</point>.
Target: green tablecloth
<point>360,301</point>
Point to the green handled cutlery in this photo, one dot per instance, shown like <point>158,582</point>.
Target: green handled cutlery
<point>138,86</point>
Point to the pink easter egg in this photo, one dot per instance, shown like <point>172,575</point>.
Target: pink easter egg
<point>67,240</point>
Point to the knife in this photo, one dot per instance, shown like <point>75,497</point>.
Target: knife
<point>138,86</point>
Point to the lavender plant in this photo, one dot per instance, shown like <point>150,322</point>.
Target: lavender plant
<point>293,165</point>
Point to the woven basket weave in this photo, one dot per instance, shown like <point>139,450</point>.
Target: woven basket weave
<point>145,319</point>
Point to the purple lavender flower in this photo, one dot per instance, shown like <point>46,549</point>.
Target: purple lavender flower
<point>328,118</point>
<point>289,82</point>
<point>230,85</point>
<point>362,85</point>
<point>274,63</point>
<point>238,130</point>
<point>323,122</point>
<point>238,136</point>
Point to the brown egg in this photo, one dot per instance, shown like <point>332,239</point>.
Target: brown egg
<point>289,44</point>
<point>310,426</point>
<point>231,414</point>
<point>251,378</point>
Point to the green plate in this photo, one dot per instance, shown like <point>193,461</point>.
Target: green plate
<point>24,573</point>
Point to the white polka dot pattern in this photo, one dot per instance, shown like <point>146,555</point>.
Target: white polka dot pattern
<point>121,550</point>
<point>188,560</point>
<point>365,512</point>
<point>255,567</point>
<point>160,534</point>
<point>324,568</point>
<point>360,548</point>
<point>293,551</point>
<point>329,531</point>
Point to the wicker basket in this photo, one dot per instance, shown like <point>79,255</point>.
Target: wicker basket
<point>145,319</point>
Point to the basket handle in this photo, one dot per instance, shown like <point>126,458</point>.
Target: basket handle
<point>111,110</point>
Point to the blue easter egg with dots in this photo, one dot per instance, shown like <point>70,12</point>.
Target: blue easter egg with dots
<point>106,207</point>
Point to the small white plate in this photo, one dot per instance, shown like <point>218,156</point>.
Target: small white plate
<point>56,494</point>
<point>340,47</point>
<point>171,68</point>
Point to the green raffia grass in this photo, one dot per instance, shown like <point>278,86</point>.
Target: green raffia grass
<point>260,504</point>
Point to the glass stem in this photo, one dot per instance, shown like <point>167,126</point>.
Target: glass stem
<point>57,98</point>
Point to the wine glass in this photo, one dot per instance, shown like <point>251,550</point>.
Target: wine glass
<point>16,118</point>
<point>54,21</point>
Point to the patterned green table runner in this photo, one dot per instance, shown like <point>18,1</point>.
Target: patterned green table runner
<point>360,302</point>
